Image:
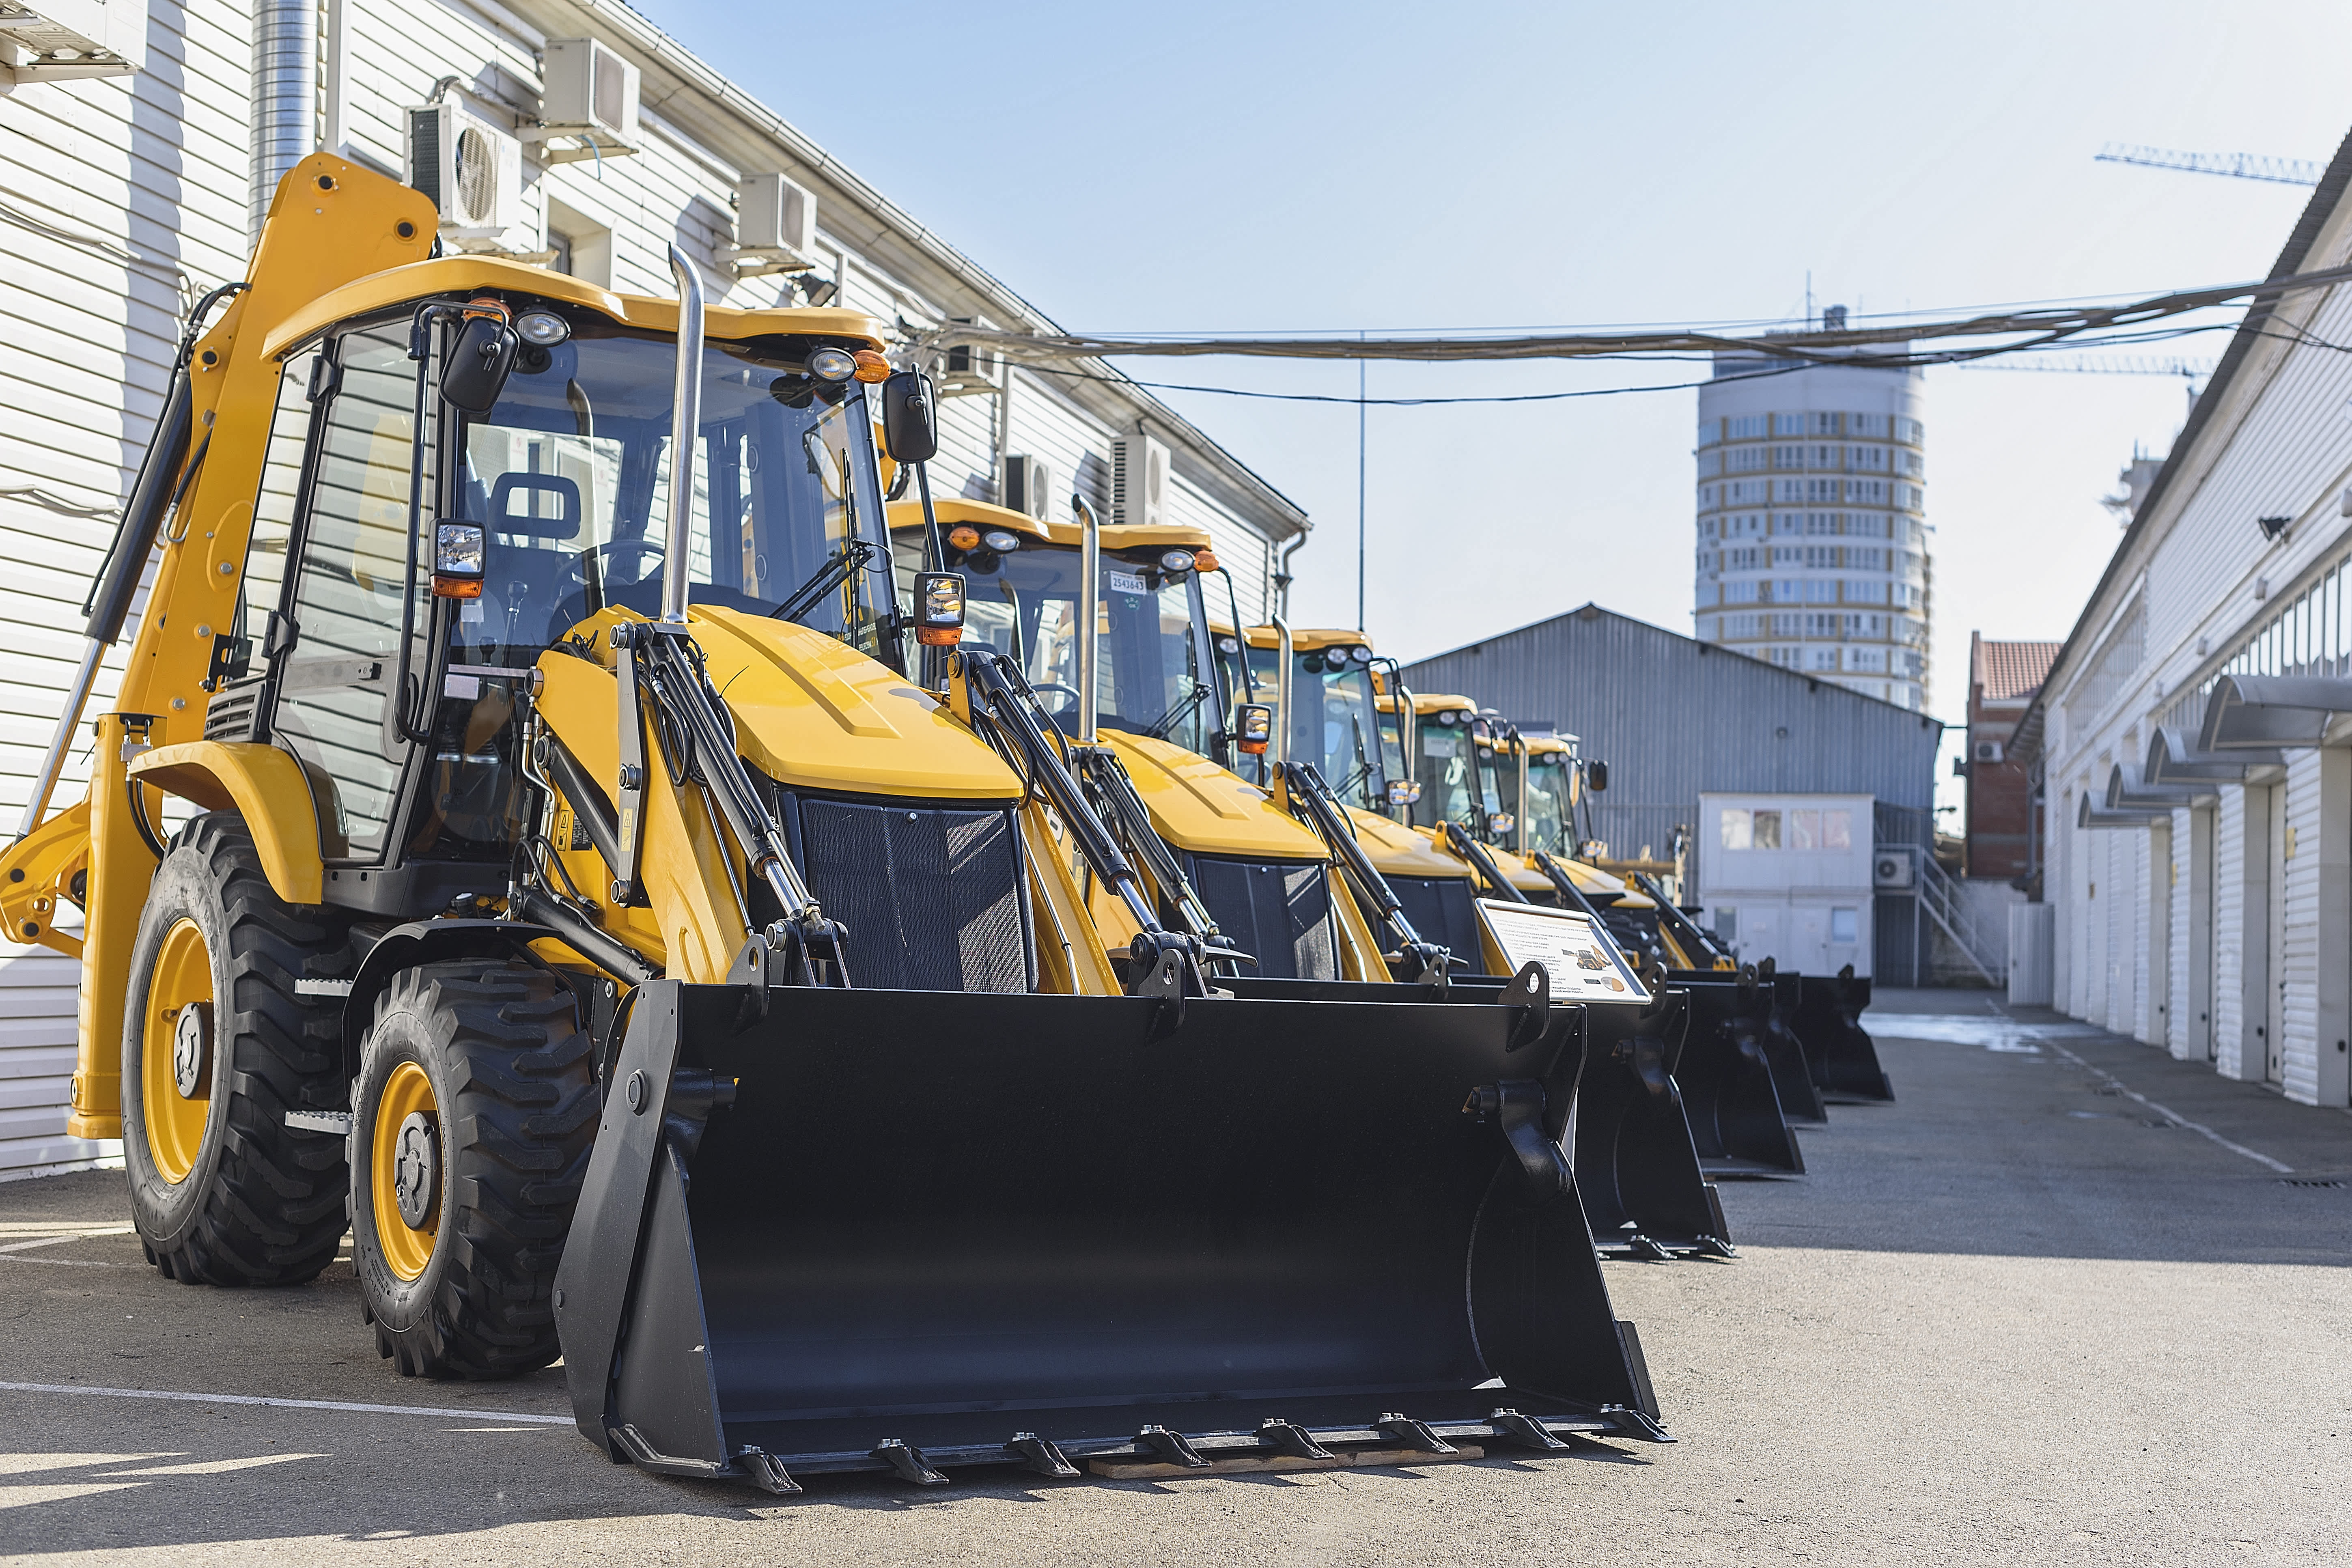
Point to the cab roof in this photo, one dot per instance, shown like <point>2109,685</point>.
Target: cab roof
<point>909,514</point>
<point>1428,702</point>
<point>448,275</point>
<point>1310,639</point>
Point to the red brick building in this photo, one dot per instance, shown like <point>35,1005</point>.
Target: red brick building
<point>2002,679</point>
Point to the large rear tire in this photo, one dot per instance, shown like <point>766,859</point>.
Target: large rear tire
<point>218,1046</point>
<point>472,1118</point>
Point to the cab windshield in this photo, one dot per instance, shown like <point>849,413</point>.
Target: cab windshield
<point>1451,786</point>
<point>1546,828</point>
<point>569,475</point>
<point>1153,672</point>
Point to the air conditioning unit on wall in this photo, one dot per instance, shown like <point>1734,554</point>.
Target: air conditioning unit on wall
<point>1029,485</point>
<point>587,97</point>
<point>64,40</point>
<point>1891,867</point>
<point>470,169</point>
<point>1988,751</point>
<point>775,226</point>
<point>1140,481</point>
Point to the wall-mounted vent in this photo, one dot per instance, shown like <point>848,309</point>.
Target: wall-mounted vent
<point>470,169</point>
<point>1140,481</point>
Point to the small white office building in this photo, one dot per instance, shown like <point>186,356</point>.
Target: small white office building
<point>2197,844</point>
<point>1790,878</point>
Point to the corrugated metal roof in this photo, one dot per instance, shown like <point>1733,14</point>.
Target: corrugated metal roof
<point>2009,670</point>
<point>1673,716</point>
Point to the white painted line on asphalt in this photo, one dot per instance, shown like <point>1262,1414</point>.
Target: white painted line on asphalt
<point>284,1403</point>
<point>61,1240</point>
<point>2172,1116</point>
<point>1996,1033</point>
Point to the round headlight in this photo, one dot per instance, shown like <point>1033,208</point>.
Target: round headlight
<point>543,329</point>
<point>1228,645</point>
<point>1000,539</point>
<point>1360,655</point>
<point>833,364</point>
<point>1176,560</point>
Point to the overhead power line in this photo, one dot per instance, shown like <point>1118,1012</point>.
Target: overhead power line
<point>2237,166</point>
<point>2030,329</point>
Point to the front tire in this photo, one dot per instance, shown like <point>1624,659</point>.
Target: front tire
<point>217,1049</point>
<point>473,1115</point>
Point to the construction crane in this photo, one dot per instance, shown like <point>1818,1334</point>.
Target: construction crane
<point>2100,364</point>
<point>2237,166</point>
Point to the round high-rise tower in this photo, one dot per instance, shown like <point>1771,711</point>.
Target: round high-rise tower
<point>1813,535</point>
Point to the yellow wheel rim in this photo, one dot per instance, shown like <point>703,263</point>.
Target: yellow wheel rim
<point>393,1158</point>
<point>179,1025</point>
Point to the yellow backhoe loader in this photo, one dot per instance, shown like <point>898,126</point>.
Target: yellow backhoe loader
<point>617,897</point>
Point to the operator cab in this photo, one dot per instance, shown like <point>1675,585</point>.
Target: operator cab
<point>398,694</point>
<point>1156,675</point>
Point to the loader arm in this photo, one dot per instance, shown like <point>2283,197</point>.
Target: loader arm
<point>1311,798</point>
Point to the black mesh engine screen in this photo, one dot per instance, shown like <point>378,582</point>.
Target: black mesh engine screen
<point>1277,911</point>
<point>931,896</point>
<point>1442,910</point>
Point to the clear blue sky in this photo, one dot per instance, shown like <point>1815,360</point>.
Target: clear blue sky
<point>1241,167</point>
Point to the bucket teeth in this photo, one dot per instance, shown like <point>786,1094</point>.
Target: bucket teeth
<point>767,1472</point>
<point>1170,1446</point>
<point>1042,1455</point>
<point>1411,1434</point>
<point>1519,1429</point>
<point>908,1461</point>
<point>1634,1424</point>
<point>1289,1437</point>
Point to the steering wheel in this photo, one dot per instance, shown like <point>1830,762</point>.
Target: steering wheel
<point>1042,687</point>
<point>641,547</point>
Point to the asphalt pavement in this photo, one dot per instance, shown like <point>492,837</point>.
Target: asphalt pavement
<point>2066,1300</point>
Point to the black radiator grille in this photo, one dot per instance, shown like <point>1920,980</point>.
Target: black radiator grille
<point>230,714</point>
<point>1278,911</point>
<point>932,896</point>
<point>1444,912</point>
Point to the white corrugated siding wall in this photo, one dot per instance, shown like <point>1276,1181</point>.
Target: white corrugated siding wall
<point>2298,966</point>
<point>149,173</point>
<point>2232,1028</point>
<point>2182,871</point>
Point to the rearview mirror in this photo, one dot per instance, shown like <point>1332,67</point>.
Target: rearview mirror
<point>908,427</point>
<point>1254,728</point>
<point>478,363</point>
<point>1596,776</point>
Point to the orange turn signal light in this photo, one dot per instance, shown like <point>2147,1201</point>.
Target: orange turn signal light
<point>456,587</point>
<point>963,536</point>
<point>871,366</point>
<point>1204,561</point>
<point>939,636</point>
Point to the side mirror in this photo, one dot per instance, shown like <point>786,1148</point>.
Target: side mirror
<point>478,364</point>
<point>938,609</point>
<point>1403,791</point>
<point>1254,728</point>
<point>458,560</point>
<point>909,428</point>
<point>1596,776</point>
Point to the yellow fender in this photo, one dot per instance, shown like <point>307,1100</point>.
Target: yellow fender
<point>259,782</point>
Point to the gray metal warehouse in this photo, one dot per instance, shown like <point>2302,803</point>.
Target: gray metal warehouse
<point>1676,719</point>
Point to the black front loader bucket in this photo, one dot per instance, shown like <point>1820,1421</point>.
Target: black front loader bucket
<point>1637,1165</point>
<point>1792,1067</point>
<point>1728,1096</point>
<point>872,1230</point>
<point>1844,1061</point>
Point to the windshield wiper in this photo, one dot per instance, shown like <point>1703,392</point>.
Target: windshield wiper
<point>1178,714</point>
<point>853,556</point>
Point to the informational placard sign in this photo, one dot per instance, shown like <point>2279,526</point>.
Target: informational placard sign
<point>1584,964</point>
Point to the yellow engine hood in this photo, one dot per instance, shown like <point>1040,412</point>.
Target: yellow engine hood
<point>814,713</point>
<point>1200,808</point>
<point>1400,851</point>
<point>1523,875</point>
